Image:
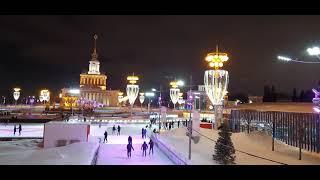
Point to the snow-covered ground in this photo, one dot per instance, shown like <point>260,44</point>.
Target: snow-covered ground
<point>20,153</point>
<point>253,143</point>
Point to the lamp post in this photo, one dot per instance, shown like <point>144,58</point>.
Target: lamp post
<point>132,90</point>
<point>16,94</point>
<point>141,99</point>
<point>216,82</point>
<point>149,95</point>
<point>174,93</point>
<point>180,99</point>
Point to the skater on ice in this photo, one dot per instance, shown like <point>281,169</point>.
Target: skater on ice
<point>151,146</point>
<point>130,140</point>
<point>119,130</point>
<point>113,129</point>
<point>142,131</point>
<point>129,148</point>
<point>20,129</point>
<point>14,130</point>
<point>144,148</point>
<point>105,136</point>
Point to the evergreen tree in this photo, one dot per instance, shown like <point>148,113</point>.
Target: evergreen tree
<point>224,150</point>
<point>294,95</point>
<point>266,94</point>
<point>301,96</point>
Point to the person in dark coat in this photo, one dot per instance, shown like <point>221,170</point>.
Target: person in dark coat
<point>142,131</point>
<point>113,129</point>
<point>144,148</point>
<point>20,129</point>
<point>166,125</point>
<point>151,146</point>
<point>14,130</point>
<point>172,124</point>
<point>178,123</point>
<point>130,140</point>
<point>105,136</point>
<point>145,133</point>
<point>119,130</point>
<point>129,148</point>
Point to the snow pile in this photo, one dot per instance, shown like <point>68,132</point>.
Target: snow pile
<point>254,143</point>
<point>81,153</point>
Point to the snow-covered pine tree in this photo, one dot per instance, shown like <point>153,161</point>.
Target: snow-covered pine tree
<point>224,150</point>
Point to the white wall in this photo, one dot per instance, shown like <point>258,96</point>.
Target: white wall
<point>64,131</point>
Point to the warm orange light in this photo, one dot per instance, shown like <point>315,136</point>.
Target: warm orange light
<point>216,59</point>
<point>174,84</point>
<point>132,79</point>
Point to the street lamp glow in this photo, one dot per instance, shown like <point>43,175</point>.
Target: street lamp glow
<point>283,58</point>
<point>180,83</point>
<point>74,91</point>
<point>44,95</point>
<point>16,93</point>
<point>314,51</point>
<point>216,59</point>
<point>153,89</point>
<point>149,94</point>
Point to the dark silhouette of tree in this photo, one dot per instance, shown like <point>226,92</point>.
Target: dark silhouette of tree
<point>224,149</point>
<point>266,94</point>
<point>294,95</point>
<point>273,94</point>
<point>301,98</point>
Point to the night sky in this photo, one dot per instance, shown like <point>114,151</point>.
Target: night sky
<point>51,51</point>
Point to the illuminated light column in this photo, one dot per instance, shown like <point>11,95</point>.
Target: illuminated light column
<point>44,95</point>
<point>174,93</point>
<point>180,99</point>
<point>216,83</point>
<point>141,99</point>
<point>16,94</point>
<point>132,90</point>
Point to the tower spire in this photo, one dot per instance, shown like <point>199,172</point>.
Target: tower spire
<point>94,55</point>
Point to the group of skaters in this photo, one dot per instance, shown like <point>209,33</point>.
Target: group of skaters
<point>15,129</point>
<point>144,147</point>
<point>144,133</point>
<point>118,129</point>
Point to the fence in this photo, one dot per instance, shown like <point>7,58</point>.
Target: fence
<point>296,129</point>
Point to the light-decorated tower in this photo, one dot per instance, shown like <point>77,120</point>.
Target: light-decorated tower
<point>132,90</point>
<point>93,84</point>
<point>174,93</point>
<point>216,82</point>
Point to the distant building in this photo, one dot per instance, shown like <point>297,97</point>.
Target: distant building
<point>93,86</point>
<point>255,99</point>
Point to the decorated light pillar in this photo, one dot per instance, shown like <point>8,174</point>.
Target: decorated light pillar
<point>216,83</point>
<point>132,90</point>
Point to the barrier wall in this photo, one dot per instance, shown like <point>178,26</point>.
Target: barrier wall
<point>170,152</point>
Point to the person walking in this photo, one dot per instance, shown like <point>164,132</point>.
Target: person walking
<point>169,126</point>
<point>172,124</point>
<point>178,123</point>
<point>14,130</point>
<point>144,148</point>
<point>130,140</point>
<point>142,131</point>
<point>119,130</point>
<point>145,133</point>
<point>151,146</point>
<point>113,129</point>
<point>20,129</point>
<point>129,148</point>
<point>100,124</point>
<point>105,136</point>
<point>166,125</point>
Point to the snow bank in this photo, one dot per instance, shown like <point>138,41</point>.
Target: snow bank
<point>82,153</point>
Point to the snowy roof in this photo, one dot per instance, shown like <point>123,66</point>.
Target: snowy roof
<point>68,123</point>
